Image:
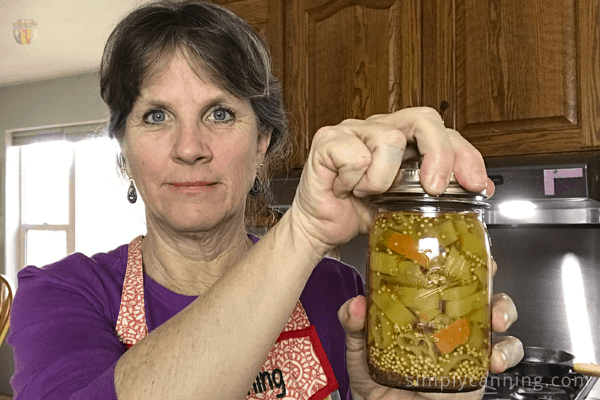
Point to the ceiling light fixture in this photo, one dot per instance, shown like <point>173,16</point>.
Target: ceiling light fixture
<point>24,31</point>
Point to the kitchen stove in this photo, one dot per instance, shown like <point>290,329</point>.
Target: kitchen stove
<point>515,386</point>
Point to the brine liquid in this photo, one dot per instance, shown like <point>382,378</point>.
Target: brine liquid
<point>429,311</point>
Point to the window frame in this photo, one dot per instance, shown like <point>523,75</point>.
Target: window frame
<point>15,229</point>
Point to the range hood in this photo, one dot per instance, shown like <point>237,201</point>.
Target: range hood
<point>555,189</point>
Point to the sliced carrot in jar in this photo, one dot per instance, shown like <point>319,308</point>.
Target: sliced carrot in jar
<point>407,246</point>
<point>452,336</point>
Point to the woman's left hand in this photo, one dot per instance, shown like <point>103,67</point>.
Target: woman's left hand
<point>506,352</point>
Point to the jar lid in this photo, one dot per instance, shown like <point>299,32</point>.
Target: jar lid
<point>408,182</point>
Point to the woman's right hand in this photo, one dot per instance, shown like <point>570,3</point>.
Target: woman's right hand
<point>358,158</point>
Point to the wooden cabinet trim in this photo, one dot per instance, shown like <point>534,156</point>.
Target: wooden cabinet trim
<point>517,143</point>
<point>547,124</point>
<point>319,11</point>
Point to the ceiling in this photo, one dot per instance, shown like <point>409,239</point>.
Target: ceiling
<point>70,37</point>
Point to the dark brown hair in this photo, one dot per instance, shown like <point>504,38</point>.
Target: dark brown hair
<point>215,41</point>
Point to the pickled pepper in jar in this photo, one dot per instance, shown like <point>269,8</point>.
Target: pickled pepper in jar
<point>429,288</point>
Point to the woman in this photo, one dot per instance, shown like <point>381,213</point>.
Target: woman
<point>195,307</point>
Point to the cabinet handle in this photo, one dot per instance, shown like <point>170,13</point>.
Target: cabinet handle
<point>444,106</point>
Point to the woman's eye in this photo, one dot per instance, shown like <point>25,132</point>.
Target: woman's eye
<point>155,117</point>
<point>222,115</point>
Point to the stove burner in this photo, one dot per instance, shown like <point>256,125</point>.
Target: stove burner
<point>546,393</point>
<point>514,386</point>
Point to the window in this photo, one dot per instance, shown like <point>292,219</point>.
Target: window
<point>45,169</point>
<point>64,195</point>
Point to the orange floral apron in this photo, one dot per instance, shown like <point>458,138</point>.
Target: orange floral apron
<point>296,367</point>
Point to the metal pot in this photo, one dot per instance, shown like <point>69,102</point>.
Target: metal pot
<point>539,361</point>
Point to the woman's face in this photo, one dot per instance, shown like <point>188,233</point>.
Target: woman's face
<point>192,149</point>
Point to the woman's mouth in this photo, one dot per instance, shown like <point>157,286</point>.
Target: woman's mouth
<point>192,187</point>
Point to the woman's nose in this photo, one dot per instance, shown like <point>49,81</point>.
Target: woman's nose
<point>190,145</point>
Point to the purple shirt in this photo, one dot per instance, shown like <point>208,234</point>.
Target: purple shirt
<point>64,315</point>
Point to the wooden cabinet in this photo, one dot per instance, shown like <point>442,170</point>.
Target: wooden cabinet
<point>515,77</point>
<point>349,59</point>
<point>267,17</point>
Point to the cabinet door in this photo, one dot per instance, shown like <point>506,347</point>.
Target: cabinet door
<point>267,17</point>
<point>515,77</point>
<point>349,59</point>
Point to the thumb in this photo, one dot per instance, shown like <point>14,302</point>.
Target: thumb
<point>352,316</point>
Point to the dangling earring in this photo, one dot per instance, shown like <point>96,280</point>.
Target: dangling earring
<point>131,192</point>
<point>256,189</point>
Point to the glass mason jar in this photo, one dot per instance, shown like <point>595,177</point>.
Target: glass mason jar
<point>429,288</point>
